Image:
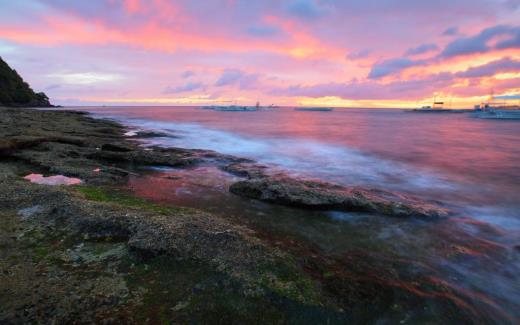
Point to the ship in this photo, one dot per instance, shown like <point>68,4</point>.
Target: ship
<point>437,107</point>
<point>235,108</point>
<point>314,109</point>
<point>495,110</point>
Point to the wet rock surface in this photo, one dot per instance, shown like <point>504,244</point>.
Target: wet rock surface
<point>282,189</point>
<point>75,145</point>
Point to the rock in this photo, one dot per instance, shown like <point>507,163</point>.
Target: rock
<point>116,147</point>
<point>154,157</point>
<point>320,195</point>
<point>249,170</point>
<point>153,134</point>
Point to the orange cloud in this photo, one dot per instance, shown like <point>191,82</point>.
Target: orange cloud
<point>152,35</point>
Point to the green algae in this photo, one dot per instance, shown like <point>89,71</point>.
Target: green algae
<point>123,198</point>
<point>193,292</point>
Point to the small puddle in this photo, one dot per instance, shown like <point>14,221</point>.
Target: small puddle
<point>52,180</point>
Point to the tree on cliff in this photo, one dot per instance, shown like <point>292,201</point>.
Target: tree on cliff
<point>16,92</point>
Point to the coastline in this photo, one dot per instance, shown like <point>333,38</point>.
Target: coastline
<point>59,235</point>
<point>117,253</point>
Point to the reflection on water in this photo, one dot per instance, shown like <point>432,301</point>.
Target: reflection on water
<point>471,260</point>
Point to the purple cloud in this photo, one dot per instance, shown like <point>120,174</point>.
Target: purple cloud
<point>372,90</point>
<point>512,4</point>
<point>190,86</point>
<point>416,88</point>
<point>237,77</point>
<point>229,77</point>
<point>509,38</point>
<point>187,74</point>
<point>359,55</point>
<point>305,9</point>
<point>452,31</point>
<point>510,97</point>
<point>479,43</point>
<point>262,31</point>
<point>389,67</point>
<point>425,48</point>
<point>490,69</point>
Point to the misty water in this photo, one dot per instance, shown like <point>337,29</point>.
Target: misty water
<point>469,165</point>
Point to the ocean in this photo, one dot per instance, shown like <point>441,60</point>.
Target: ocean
<point>470,165</point>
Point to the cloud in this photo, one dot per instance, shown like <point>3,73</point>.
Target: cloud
<point>52,87</point>
<point>421,49</point>
<point>412,89</point>
<point>512,4</point>
<point>190,86</point>
<point>359,55</point>
<point>86,78</point>
<point>305,9</point>
<point>507,97</point>
<point>229,77</point>
<point>389,67</point>
<point>491,69</point>
<point>287,41</point>
<point>509,38</point>
<point>237,77</point>
<point>493,38</point>
<point>372,90</point>
<point>187,74</point>
<point>452,31</point>
<point>511,43</point>
<point>262,31</point>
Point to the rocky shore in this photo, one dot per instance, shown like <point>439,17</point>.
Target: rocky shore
<point>92,252</point>
<point>95,253</point>
<point>285,190</point>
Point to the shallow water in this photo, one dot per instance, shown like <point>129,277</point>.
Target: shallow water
<point>470,165</point>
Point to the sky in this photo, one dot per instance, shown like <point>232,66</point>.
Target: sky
<point>369,53</point>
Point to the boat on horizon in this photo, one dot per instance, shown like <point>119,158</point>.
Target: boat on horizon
<point>499,114</point>
<point>231,108</point>
<point>494,110</point>
<point>238,108</point>
<point>437,107</point>
<point>314,109</point>
<point>235,108</point>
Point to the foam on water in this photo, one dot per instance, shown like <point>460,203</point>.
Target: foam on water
<point>339,164</point>
<point>306,158</point>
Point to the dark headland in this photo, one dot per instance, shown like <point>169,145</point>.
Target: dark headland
<point>15,92</point>
<point>96,253</point>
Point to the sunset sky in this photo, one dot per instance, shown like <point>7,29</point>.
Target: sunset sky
<point>369,53</point>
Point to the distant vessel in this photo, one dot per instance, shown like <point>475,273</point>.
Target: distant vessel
<point>314,109</point>
<point>495,110</point>
<point>437,107</point>
<point>499,114</point>
<point>235,108</point>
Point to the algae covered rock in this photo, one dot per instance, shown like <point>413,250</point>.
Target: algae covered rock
<point>320,195</point>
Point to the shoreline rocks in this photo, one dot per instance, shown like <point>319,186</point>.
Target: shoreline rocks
<point>284,190</point>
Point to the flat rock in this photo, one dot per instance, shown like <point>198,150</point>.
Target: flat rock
<point>246,169</point>
<point>320,195</point>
